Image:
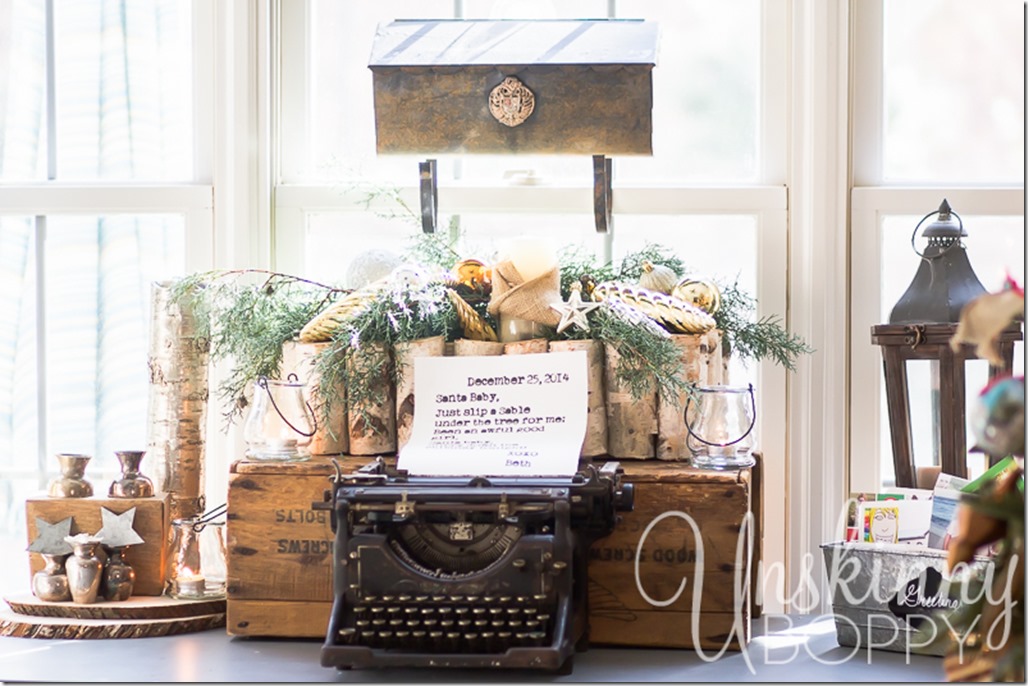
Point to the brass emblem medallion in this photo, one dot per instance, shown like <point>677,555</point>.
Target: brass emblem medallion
<point>511,102</point>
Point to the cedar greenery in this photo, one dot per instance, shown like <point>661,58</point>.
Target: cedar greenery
<point>758,340</point>
<point>247,323</point>
<point>359,356</point>
<point>248,320</point>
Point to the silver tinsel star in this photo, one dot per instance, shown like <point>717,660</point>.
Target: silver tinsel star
<point>574,310</point>
<point>50,540</point>
<point>117,529</point>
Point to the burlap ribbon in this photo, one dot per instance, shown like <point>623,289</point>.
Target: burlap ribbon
<point>514,297</point>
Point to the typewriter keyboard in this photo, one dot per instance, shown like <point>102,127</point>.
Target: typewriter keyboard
<point>450,624</point>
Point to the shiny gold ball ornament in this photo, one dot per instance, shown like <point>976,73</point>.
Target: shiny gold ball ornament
<point>701,292</point>
<point>657,277</point>
<point>473,274</point>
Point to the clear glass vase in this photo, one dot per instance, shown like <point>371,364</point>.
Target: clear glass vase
<point>281,422</point>
<point>721,430</point>
<point>197,567</point>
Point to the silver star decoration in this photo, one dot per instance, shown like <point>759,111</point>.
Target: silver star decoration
<point>50,538</point>
<point>117,529</point>
<point>574,310</point>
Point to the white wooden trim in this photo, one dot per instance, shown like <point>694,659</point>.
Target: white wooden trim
<point>294,77</point>
<point>56,198</point>
<point>817,417</point>
<point>868,95</point>
<point>918,200</point>
<point>550,199</point>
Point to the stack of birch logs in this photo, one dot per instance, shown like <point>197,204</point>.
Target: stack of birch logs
<point>618,424</point>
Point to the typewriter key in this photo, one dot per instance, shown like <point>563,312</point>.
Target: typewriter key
<point>514,623</point>
<point>418,634</point>
<point>412,610</point>
<point>513,610</point>
<point>498,623</point>
<point>430,622</point>
<point>461,611</point>
<point>400,635</point>
<point>472,598</point>
<point>445,610</point>
<point>438,598</point>
<point>388,598</point>
<point>489,599</point>
<point>463,623</point>
<point>456,599</point>
<point>346,635</point>
<point>362,623</point>
<point>360,609</point>
<point>481,622</point>
<point>378,610</point>
<point>504,600</point>
<point>421,599</point>
<point>403,599</point>
<point>496,610</point>
<point>395,622</point>
<point>539,598</point>
<point>446,624</point>
<point>530,610</point>
<point>478,610</point>
<point>435,634</point>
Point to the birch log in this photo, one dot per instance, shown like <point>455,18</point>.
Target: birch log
<point>595,441</point>
<point>631,422</point>
<point>696,352</point>
<point>372,426</point>
<point>530,347</point>
<point>405,354</point>
<point>465,347</point>
<point>177,409</point>
<point>332,436</point>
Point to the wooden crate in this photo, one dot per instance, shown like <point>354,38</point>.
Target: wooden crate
<point>280,565</point>
<point>151,522</point>
<point>619,613</point>
<point>280,548</point>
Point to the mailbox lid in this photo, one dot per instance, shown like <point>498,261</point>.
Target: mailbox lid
<point>507,42</point>
<point>590,80</point>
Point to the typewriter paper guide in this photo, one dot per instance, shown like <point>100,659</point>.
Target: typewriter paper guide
<point>509,415</point>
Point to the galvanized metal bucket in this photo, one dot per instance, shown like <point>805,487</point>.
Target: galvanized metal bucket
<point>891,597</point>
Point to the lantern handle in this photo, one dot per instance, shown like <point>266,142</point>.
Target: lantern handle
<point>753,404</point>
<point>262,381</point>
<point>913,236</point>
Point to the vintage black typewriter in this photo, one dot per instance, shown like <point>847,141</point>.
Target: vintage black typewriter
<point>465,572</point>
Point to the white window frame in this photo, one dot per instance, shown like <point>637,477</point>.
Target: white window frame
<point>226,209</point>
<point>872,199</point>
<point>768,203</point>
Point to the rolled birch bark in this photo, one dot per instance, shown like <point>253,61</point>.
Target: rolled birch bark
<point>373,432</point>
<point>332,436</point>
<point>718,365</point>
<point>465,347</point>
<point>631,422</point>
<point>405,354</point>
<point>177,409</point>
<point>530,347</point>
<point>595,441</point>
<point>695,353</point>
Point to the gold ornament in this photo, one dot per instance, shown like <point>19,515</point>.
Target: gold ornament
<point>674,314</point>
<point>657,277</point>
<point>475,327</point>
<point>702,293</point>
<point>473,274</point>
<point>325,325</point>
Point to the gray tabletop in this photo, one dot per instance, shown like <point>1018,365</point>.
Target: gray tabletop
<point>791,649</point>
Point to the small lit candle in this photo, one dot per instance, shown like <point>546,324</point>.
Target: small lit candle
<point>189,584</point>
<point>531,256</point>
<point>282,445</point>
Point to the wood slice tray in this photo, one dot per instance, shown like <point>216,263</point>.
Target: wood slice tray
<point>137,617</point>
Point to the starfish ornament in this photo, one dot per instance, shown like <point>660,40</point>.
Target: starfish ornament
<point>50,540</point>
<point>574,310</point>
<point>117,530</point>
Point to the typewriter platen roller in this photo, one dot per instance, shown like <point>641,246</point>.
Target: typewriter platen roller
<point>472,572</point>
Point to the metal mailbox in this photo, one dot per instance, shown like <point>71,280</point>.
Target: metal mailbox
<point>514,86</point>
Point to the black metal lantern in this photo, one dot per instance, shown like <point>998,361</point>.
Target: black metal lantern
<point>944,281</point>
<point>920,327</point>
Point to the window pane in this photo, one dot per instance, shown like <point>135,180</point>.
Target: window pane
<point>705,111</point>
<point>954,91</point>
<point>18,392</point>
<point>995,247</point>
<point>123,90</point>
<point>99,272</point>
<point>706,91</point>
<point>22,91</point>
